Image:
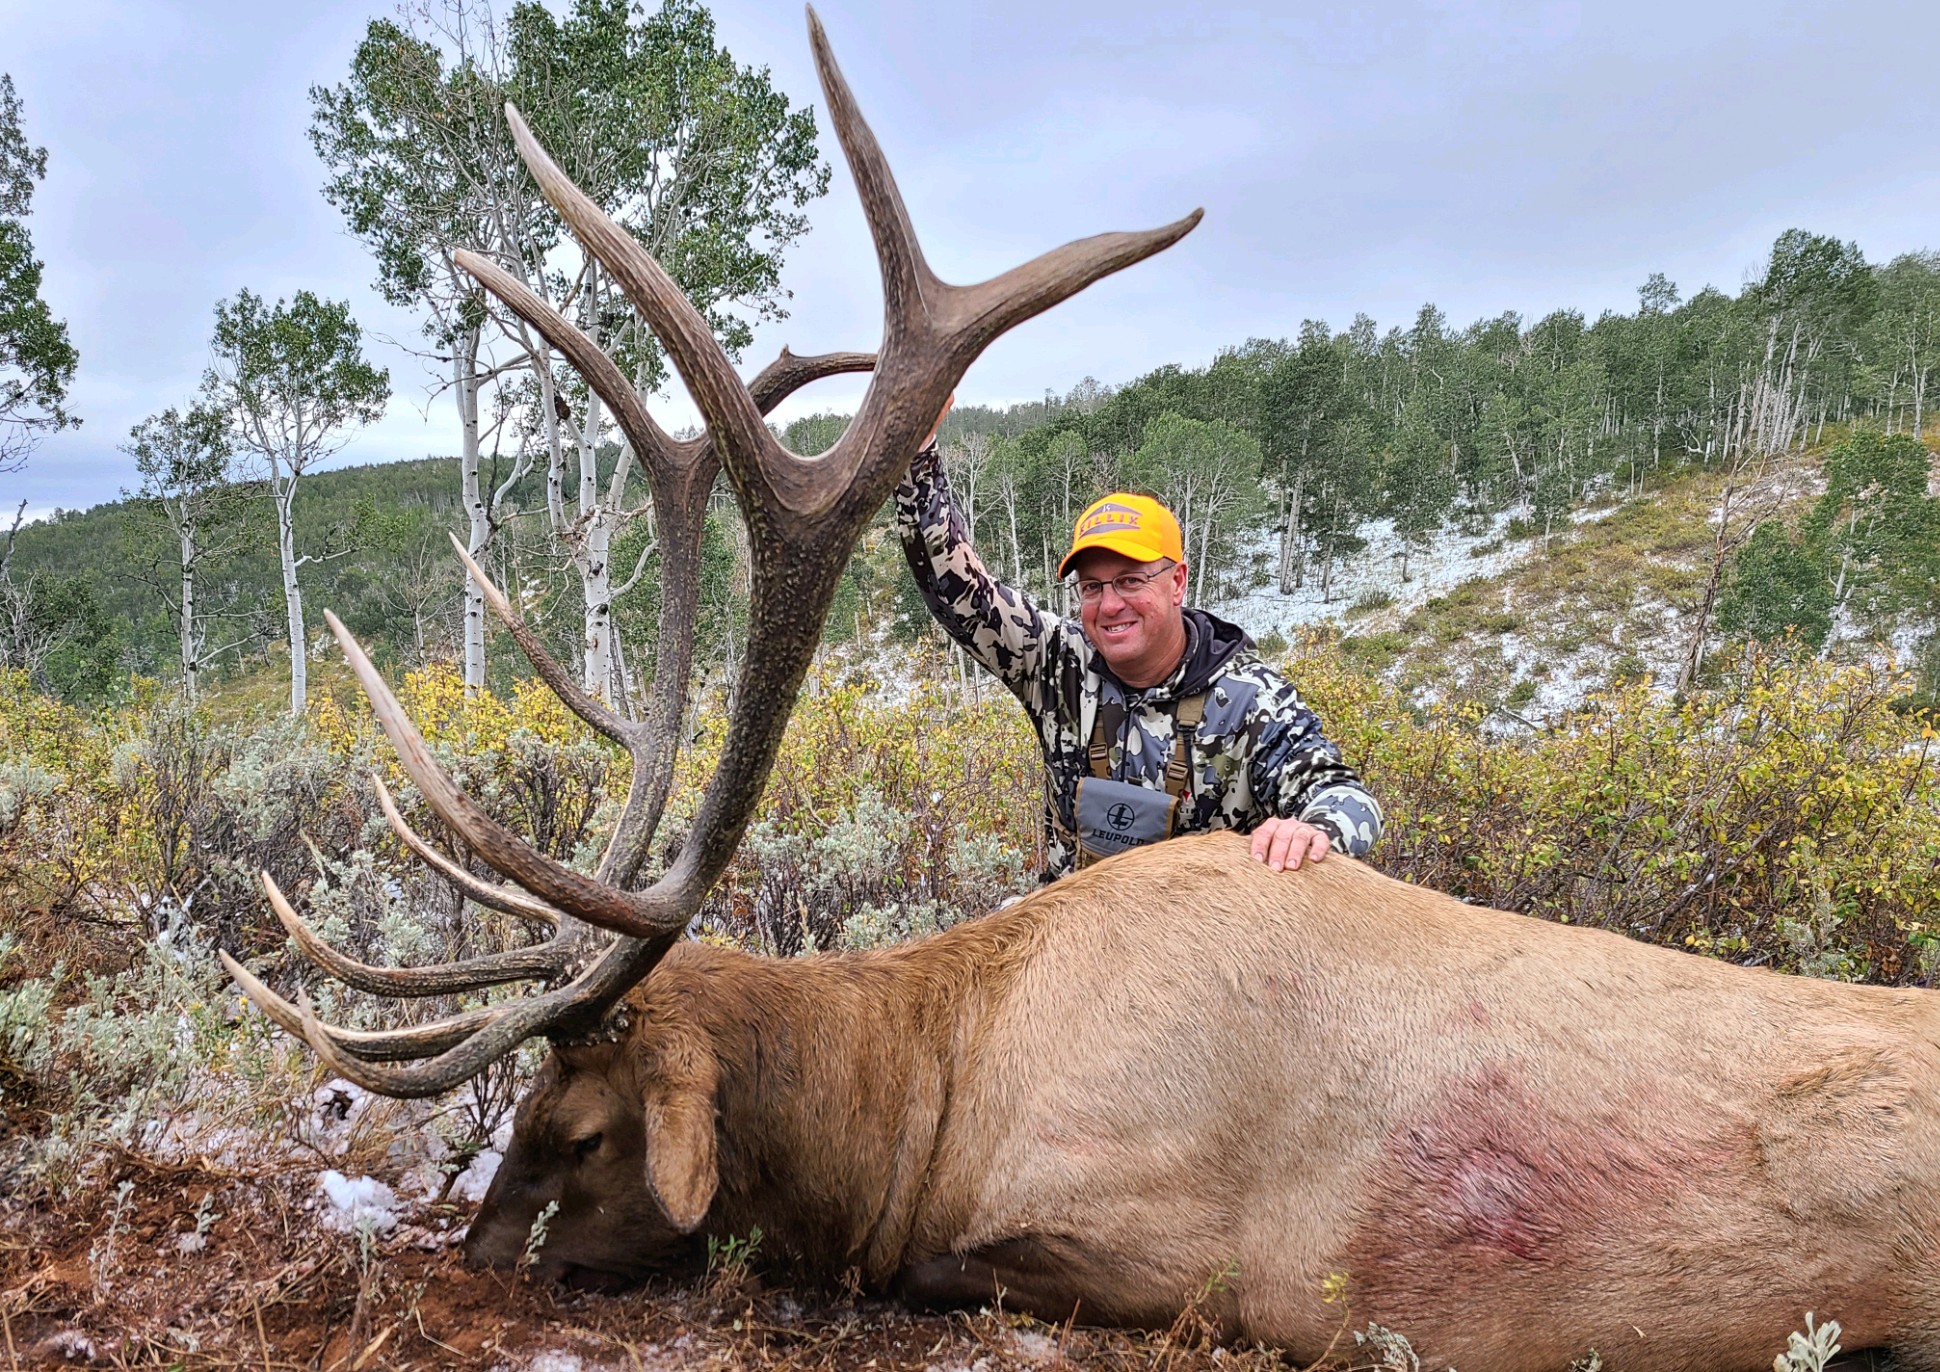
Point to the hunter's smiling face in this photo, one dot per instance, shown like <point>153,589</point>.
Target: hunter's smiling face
<point>1142,635</point>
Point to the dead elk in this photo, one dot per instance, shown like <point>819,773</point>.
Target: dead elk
<point>1513,1141</point>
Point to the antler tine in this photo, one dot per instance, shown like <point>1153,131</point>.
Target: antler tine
<point>778,380</point>
<point>649,440</point>
<point>933,331</point>
<point>980,313</point>
<point>595,902</point>
<point>732,416</point>
<point>789,373</point>
<point>459,1063</point>
<point>546,961</point>
<point>505,899</point>
<point>906,278</point>
<point>384,1045</point>
<point>464,1045</point>
<point>580,701</point>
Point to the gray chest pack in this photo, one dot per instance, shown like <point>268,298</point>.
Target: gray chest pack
<point>1116,816</point>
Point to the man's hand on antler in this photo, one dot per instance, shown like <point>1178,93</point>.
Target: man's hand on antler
<point>1286,843</point>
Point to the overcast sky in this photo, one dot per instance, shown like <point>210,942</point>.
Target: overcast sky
<point>1350,156</point>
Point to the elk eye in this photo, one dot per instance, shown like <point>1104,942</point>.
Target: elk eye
<point>586,1147</point>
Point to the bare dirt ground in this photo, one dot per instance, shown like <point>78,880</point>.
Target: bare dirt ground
<point>269,1288</point>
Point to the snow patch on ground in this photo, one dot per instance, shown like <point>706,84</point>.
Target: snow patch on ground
<point>357,1205</point>
<point>473,1181</point>
<point>555,1361</point>
<point>1376,571</point>
<point>67,1345</point>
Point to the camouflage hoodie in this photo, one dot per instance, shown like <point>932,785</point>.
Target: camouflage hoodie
<point>1258,752</point>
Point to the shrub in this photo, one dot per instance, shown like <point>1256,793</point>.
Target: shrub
<point>1793,792</point>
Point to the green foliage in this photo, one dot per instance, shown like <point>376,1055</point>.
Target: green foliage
<point>392,575</point>
<point>54,629</point>
<point>1787,816</point>
<point>1420,477</point>
<point>1207,473</point>
<point>814,433</point>
<point>1875,525</point>
<point>1776,589</point>
<point>291,376</point>
<point>37,361</point>
<point>690,152</point>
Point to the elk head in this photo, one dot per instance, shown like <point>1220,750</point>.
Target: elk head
<point>618,1130</point>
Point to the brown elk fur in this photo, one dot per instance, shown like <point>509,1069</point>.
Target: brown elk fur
<point>1517,1140</point>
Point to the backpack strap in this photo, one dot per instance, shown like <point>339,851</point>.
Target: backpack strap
<point>1185,720</point>
<point>1100,750</point>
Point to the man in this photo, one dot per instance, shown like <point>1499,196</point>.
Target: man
<point>1154,719</point>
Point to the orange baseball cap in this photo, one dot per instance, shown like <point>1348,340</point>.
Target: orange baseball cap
<point>1135,525</point>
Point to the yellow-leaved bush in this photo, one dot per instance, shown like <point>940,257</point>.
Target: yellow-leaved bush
<point>1790,817</point>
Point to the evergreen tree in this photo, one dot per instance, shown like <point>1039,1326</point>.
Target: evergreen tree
<point>1420,480</point>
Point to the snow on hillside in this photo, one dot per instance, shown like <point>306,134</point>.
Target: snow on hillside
<point>1453,558</point>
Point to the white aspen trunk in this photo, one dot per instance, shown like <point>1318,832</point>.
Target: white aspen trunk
<point>1016,548</point>
<point>191,640</point>
<point>629,688</point>
<point>284,489</point>
<point>596,524</point>
<point>1290,537</point>
<point>464,365</point>
<point>1919,393</point>
<point>555,449</point>
<point>596,587</point>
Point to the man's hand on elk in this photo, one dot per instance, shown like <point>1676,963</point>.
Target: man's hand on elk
<point>1284,844</point>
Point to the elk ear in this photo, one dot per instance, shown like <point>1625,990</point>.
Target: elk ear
<point>680,1135</point>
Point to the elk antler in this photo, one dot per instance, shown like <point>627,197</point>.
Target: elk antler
<point>804,515</point>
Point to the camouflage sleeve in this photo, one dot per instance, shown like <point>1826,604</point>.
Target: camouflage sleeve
<point>1003,628</point>
<point>1298,774</point>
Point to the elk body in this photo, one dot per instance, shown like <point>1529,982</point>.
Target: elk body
<point>1518,1141</point>
<point>1515,1141</point>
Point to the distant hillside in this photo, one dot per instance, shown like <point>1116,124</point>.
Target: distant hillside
<point>378,555</point>
<point>369,528</point>
<point>1521,510</point>
<point>1492,614</point>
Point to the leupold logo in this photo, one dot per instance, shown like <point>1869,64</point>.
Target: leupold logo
<point>1110,519</point>
<point>1119,816</point>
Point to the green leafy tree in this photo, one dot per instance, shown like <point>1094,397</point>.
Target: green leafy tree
<point>37,361</point>
<point>1303,403</point>
<point>291,380</point>
<point>1207,473</point>
<point>1420,480</point>
<point>1814,295</point>
<point>1776,589</point>
<point>698,157</point>
<point>1342,487</point>
<point>1875,521</point>
<point>1905,338</point>
<point>52,627</point>
<point>185,458</point>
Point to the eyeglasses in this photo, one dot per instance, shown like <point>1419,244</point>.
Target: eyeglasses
<point>1127,584</point>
